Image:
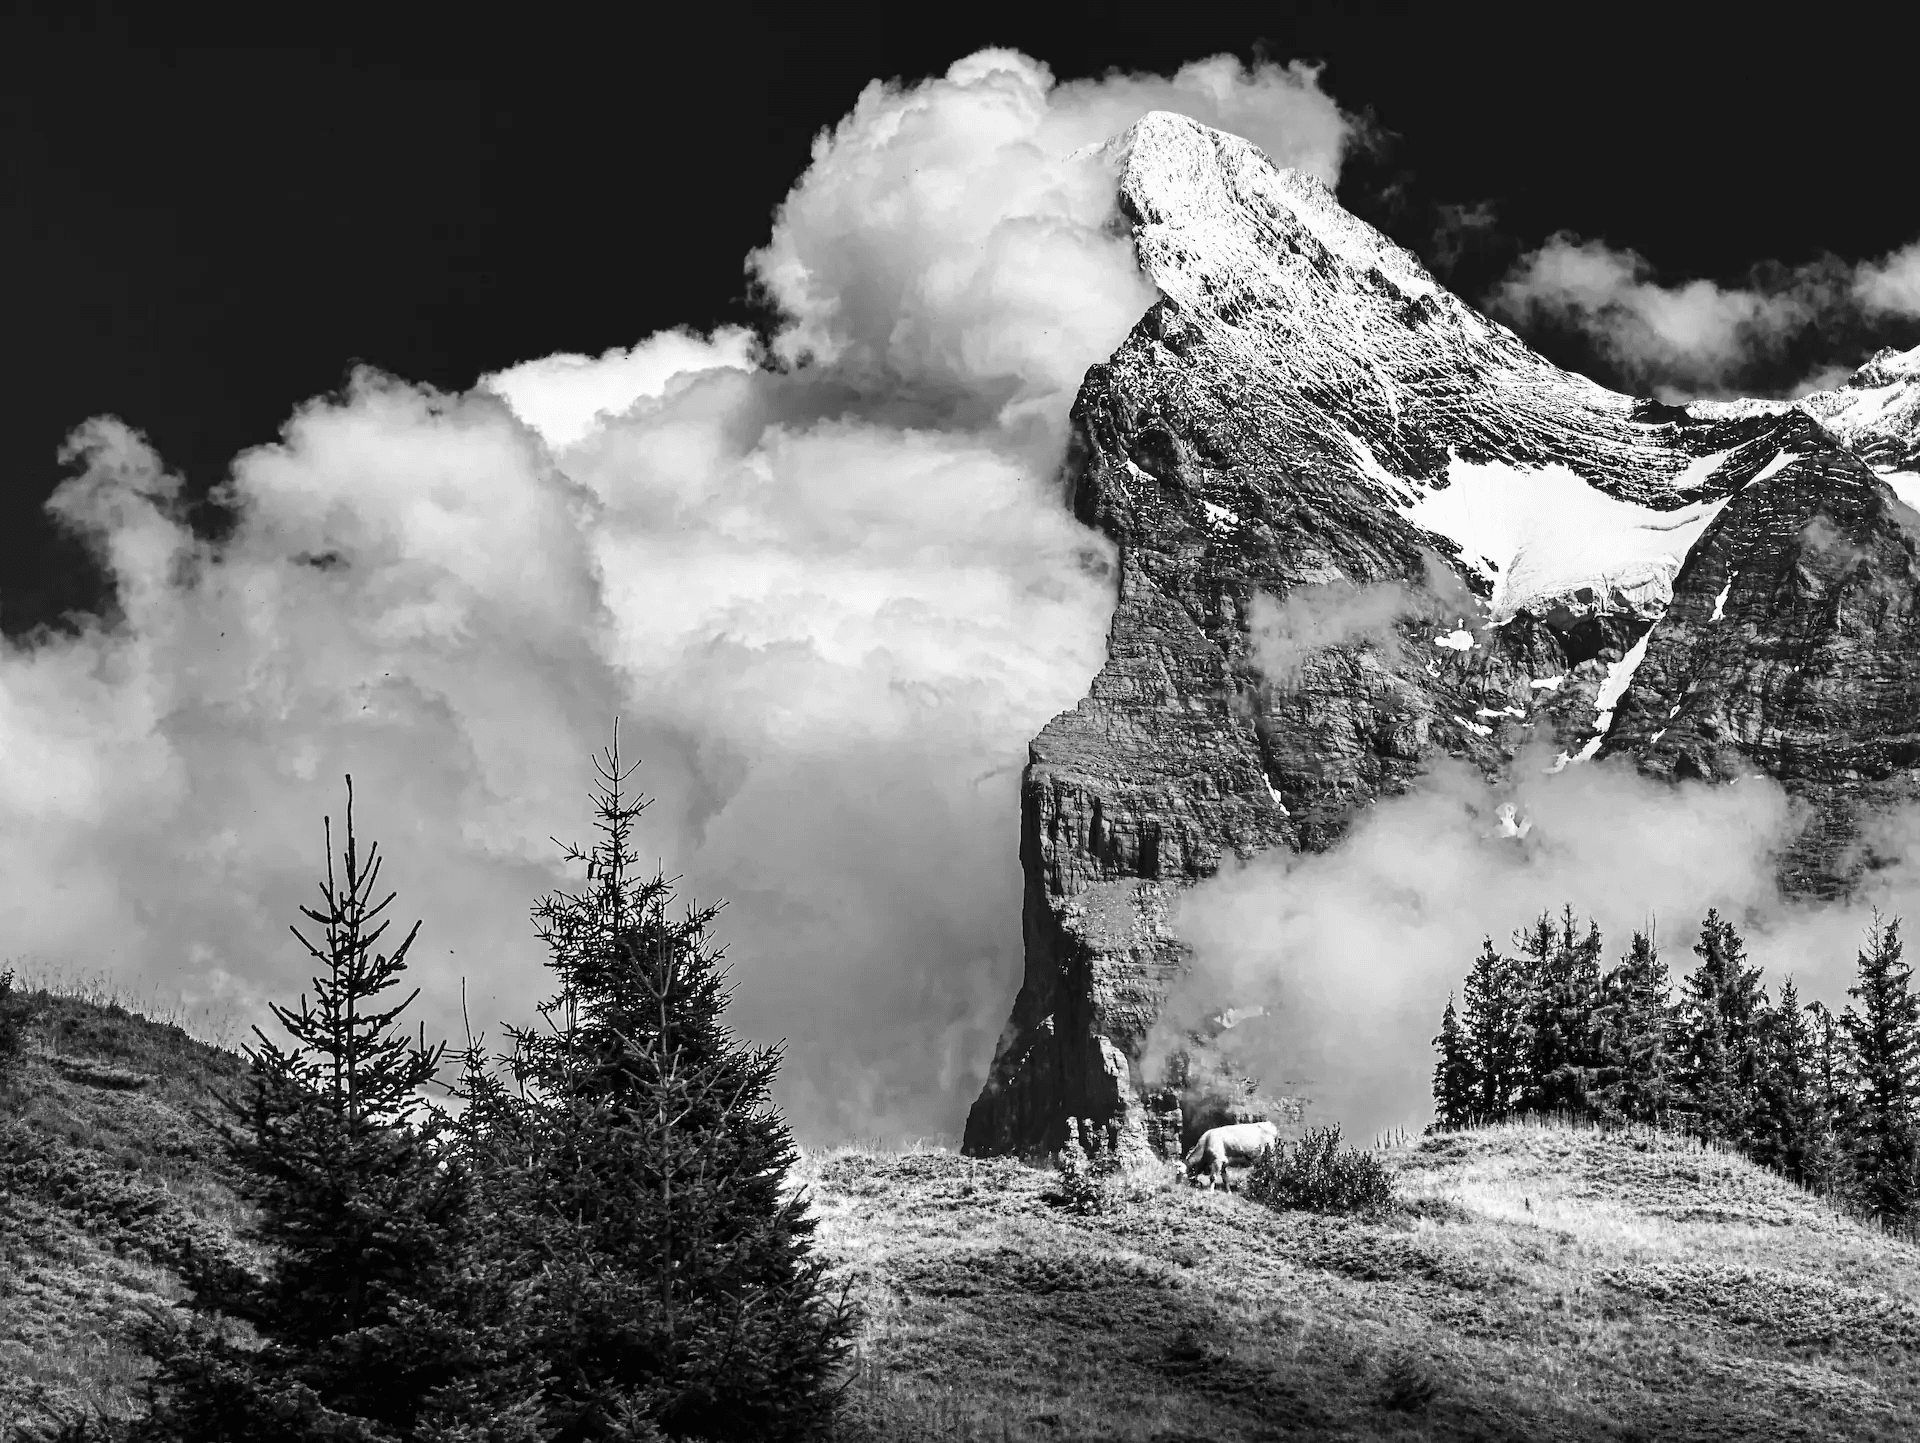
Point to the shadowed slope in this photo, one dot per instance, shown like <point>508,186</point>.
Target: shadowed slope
<point>1540,1283</point>
<point>109,1173</point>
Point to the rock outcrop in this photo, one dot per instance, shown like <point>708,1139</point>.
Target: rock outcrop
<point>1360,526</point>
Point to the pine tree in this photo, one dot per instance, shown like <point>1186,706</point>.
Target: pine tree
<point>1834,1094</point>
<point>341,1160</point>
<point>478,1305</point>
<point>1491,1003</point>
<point>1883,1038</point>
<point>1792,1132</point>
<point>1634,1020</point>
<point>1563,985</point>
<point>1456,1086</point>
<point>644,1165</point>
<point>1720,1018</point>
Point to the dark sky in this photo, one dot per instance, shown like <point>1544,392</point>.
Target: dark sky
<point>207,221</point>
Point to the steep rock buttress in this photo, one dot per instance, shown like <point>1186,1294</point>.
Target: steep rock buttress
<point>1306,416</point>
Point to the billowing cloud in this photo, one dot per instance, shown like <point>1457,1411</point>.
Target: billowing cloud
<point>564,397</point>
<point>945,252</point>
<point>1691,338</point>
<point>1353,952</point>
<point>1311,617</point>
<point>1284,632</point>
<point>826,582</point>
<point>1891,285</point>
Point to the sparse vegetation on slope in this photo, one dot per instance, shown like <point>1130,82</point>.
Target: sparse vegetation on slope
<point>1318,1174</point>
<point>109,1176</point>
<point>1532,1282</point>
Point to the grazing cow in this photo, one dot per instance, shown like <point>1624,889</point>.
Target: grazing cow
<point>1237,1142</point>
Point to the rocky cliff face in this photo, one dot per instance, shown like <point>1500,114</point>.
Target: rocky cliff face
<point>1876,413</point>
<point>1361,526</point>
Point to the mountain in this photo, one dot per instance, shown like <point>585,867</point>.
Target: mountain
<point>1322,469</point>
<point>1877,414</point>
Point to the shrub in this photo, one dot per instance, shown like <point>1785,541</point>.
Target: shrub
<point>1086,1170</point>
<point>15,1013</point>
<point>1408,1385</point>
<point>1319,1175</point>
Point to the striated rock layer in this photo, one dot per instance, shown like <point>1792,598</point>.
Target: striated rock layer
<point>1307,423</point>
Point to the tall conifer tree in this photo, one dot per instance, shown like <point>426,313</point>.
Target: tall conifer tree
<point>646,1167</point>
<point>1634,1079</point>
<point>1883,1033</point>
<point>1456,1088</point>
<point>339,1154</point>
<point>1563,966</point>
<point>1491,1002</point>
<point>1830,1064</point>
<point>1720,1018</point>
<point>1793,1131</point>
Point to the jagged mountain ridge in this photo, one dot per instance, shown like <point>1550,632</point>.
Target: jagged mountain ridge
<point>1306,415</point>
<point>1876,413</point>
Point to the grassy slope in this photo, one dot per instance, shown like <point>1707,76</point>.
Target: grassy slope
<point>1544,1284</point>
<point>106,1175</point>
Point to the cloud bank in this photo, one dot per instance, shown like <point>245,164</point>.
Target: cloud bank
<point>1353,952</point>
<point>825,580</point>
<point>1687,339</point>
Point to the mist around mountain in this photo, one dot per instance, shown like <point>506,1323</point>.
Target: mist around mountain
<point>1405,619</point>
<point>1409,618</point>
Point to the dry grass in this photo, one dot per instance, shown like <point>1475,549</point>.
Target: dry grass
<point>1537,1283</point>
<point>1534,1283</point>
<point>108,1170</point>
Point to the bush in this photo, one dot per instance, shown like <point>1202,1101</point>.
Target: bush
<point>1408,1385</point>
<point>15,1013</point>
<point>1086,1170</point>
<point>1319,1175</point>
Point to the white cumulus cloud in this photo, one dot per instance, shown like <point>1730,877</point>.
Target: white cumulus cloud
<point>1684,339</point>
<point>829,588</point>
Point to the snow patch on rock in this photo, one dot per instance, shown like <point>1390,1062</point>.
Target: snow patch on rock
<point>1720,601</point>
<point>1542,535</point>
<point>1619,678</point>
<point>1220,517</point>
<point>1906,486</point>
<point>1700,470</point>
<point>1736,410</point>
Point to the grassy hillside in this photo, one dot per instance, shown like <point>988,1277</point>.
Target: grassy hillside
<point>1541,1283</point>
<point>1537,1283</point>
<point>107,1173</point>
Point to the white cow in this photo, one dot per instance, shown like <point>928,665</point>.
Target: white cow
<point>1237,1142</point>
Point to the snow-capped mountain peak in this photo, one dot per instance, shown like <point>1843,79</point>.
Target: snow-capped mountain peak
<point>1876,411</point>
<point>1361,527</point>
<point>1208,205</point>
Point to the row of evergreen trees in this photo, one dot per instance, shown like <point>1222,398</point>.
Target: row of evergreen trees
<point>1831,1102</point>
<point>596,1241</point>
